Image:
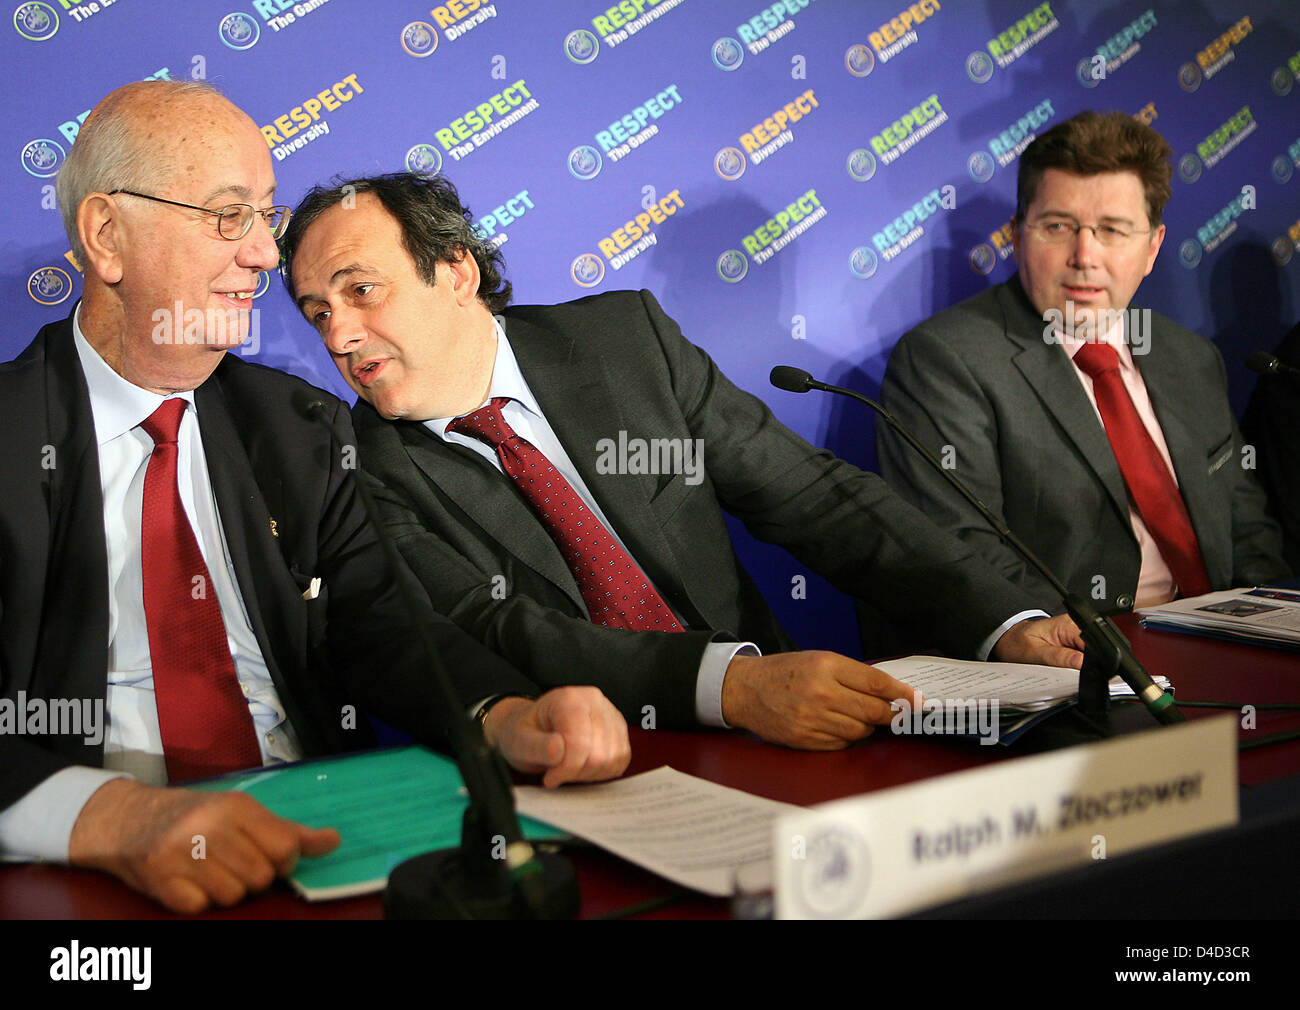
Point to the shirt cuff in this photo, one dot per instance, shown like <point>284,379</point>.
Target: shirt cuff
<point>39,825</point>
<point>986,647</point>
<point>713,671</point>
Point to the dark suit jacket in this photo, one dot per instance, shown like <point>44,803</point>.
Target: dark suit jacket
<point>616,363</point>
<point>352,645</point>
<point>1272,424</point>
<point>980,377</point>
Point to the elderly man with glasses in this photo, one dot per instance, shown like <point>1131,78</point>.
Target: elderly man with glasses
<point>184,561</point>
<point>1099,432</point>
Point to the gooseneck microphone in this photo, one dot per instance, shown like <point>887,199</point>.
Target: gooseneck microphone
<point>1107,651</point>
<point>495,874</point>
<point>1269,364</point>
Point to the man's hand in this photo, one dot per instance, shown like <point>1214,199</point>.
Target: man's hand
<point>809,700</point>
<point>145,835</point>
<point>1052,641</point>
<point>573,734</point>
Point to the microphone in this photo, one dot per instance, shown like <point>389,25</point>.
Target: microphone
<point>1268,364</point>
<point>474,881</point>
<point>791,379</point>
<point>1107,653</point>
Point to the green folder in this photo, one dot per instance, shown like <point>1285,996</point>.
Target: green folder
<point>387,805</point>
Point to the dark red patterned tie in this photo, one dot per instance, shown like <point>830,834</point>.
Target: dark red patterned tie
<point>202,712</point>
<point>1149,481</point>
<point>616,591</point>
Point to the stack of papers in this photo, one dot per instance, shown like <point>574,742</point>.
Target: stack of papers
<point>994,702</point>
<point>696,833</point>
<point>1260,615</point>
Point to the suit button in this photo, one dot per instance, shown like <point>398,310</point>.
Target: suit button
<point>1124,601</point>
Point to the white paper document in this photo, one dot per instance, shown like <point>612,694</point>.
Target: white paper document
<point>1016,686</point>
<point>696,833</point>
<point>1266,615</point>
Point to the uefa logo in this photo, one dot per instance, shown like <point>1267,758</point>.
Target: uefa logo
<point>239,30</point>
<point>980,165</point>
<point>729,163</point>
<point>36,21</point>
<point>859,60</point>
<point>1189,254</point>
<point>732,266</point>
<point>861,165</point>
<point>587,270</point>
<point>979,66</point>
<point>584,162</point>
<point>834,876</point>
<point>1085,75</point>
<point>42,158</point>
<point>1189,77</point>
<point>581,46</point>
<point>863,262</point>
<point>1189,168</point>
<point>49,285</point>
<point>424,159</point>
<point>419,39</point>
<point>727,54</point>
<point>1282,169</point>
<point>263,284</point>
<point>1282,250</point>
<point>1281,79</point>
<point>983,259</point>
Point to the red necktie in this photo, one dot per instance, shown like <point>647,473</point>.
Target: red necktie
<point>202,712</point>
<point>616,591</point>
<point>1149,481</point>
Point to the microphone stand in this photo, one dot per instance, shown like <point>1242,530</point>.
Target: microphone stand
<point>495,873</point>
<point>1107,654</point>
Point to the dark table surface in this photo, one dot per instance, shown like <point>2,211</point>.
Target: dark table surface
<point>1200,668</point>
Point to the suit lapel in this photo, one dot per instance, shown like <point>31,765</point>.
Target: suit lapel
<point>267,588</point>
<point>583,406</point>
<point>489,498</point>
<point>1168,385</point>
<point>1050,375</point>
<point>73,665</point>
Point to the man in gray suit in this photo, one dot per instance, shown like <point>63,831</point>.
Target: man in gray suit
<point>1101,434</point>
<point>513,444</point>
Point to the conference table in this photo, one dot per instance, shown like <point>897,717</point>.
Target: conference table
<point>1200,668</point>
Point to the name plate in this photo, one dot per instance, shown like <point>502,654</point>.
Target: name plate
<point>900,850</point>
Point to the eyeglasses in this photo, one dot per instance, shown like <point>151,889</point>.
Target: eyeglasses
<point>234,219</point>
<point>1061,232</point>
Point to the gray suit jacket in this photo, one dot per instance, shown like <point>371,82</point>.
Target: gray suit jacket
<point>616,362</point>
<point>980,378</point>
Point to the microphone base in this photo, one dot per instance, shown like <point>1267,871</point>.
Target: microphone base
<point>1071,728</point>
<point>439,885</point>
<point>1094,689</point>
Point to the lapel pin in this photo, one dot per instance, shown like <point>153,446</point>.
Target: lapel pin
<point>274,532</point>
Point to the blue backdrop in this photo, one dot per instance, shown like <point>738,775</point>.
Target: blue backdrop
<point>797,181</point>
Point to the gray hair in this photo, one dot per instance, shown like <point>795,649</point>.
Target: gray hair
<point>110,154</point>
